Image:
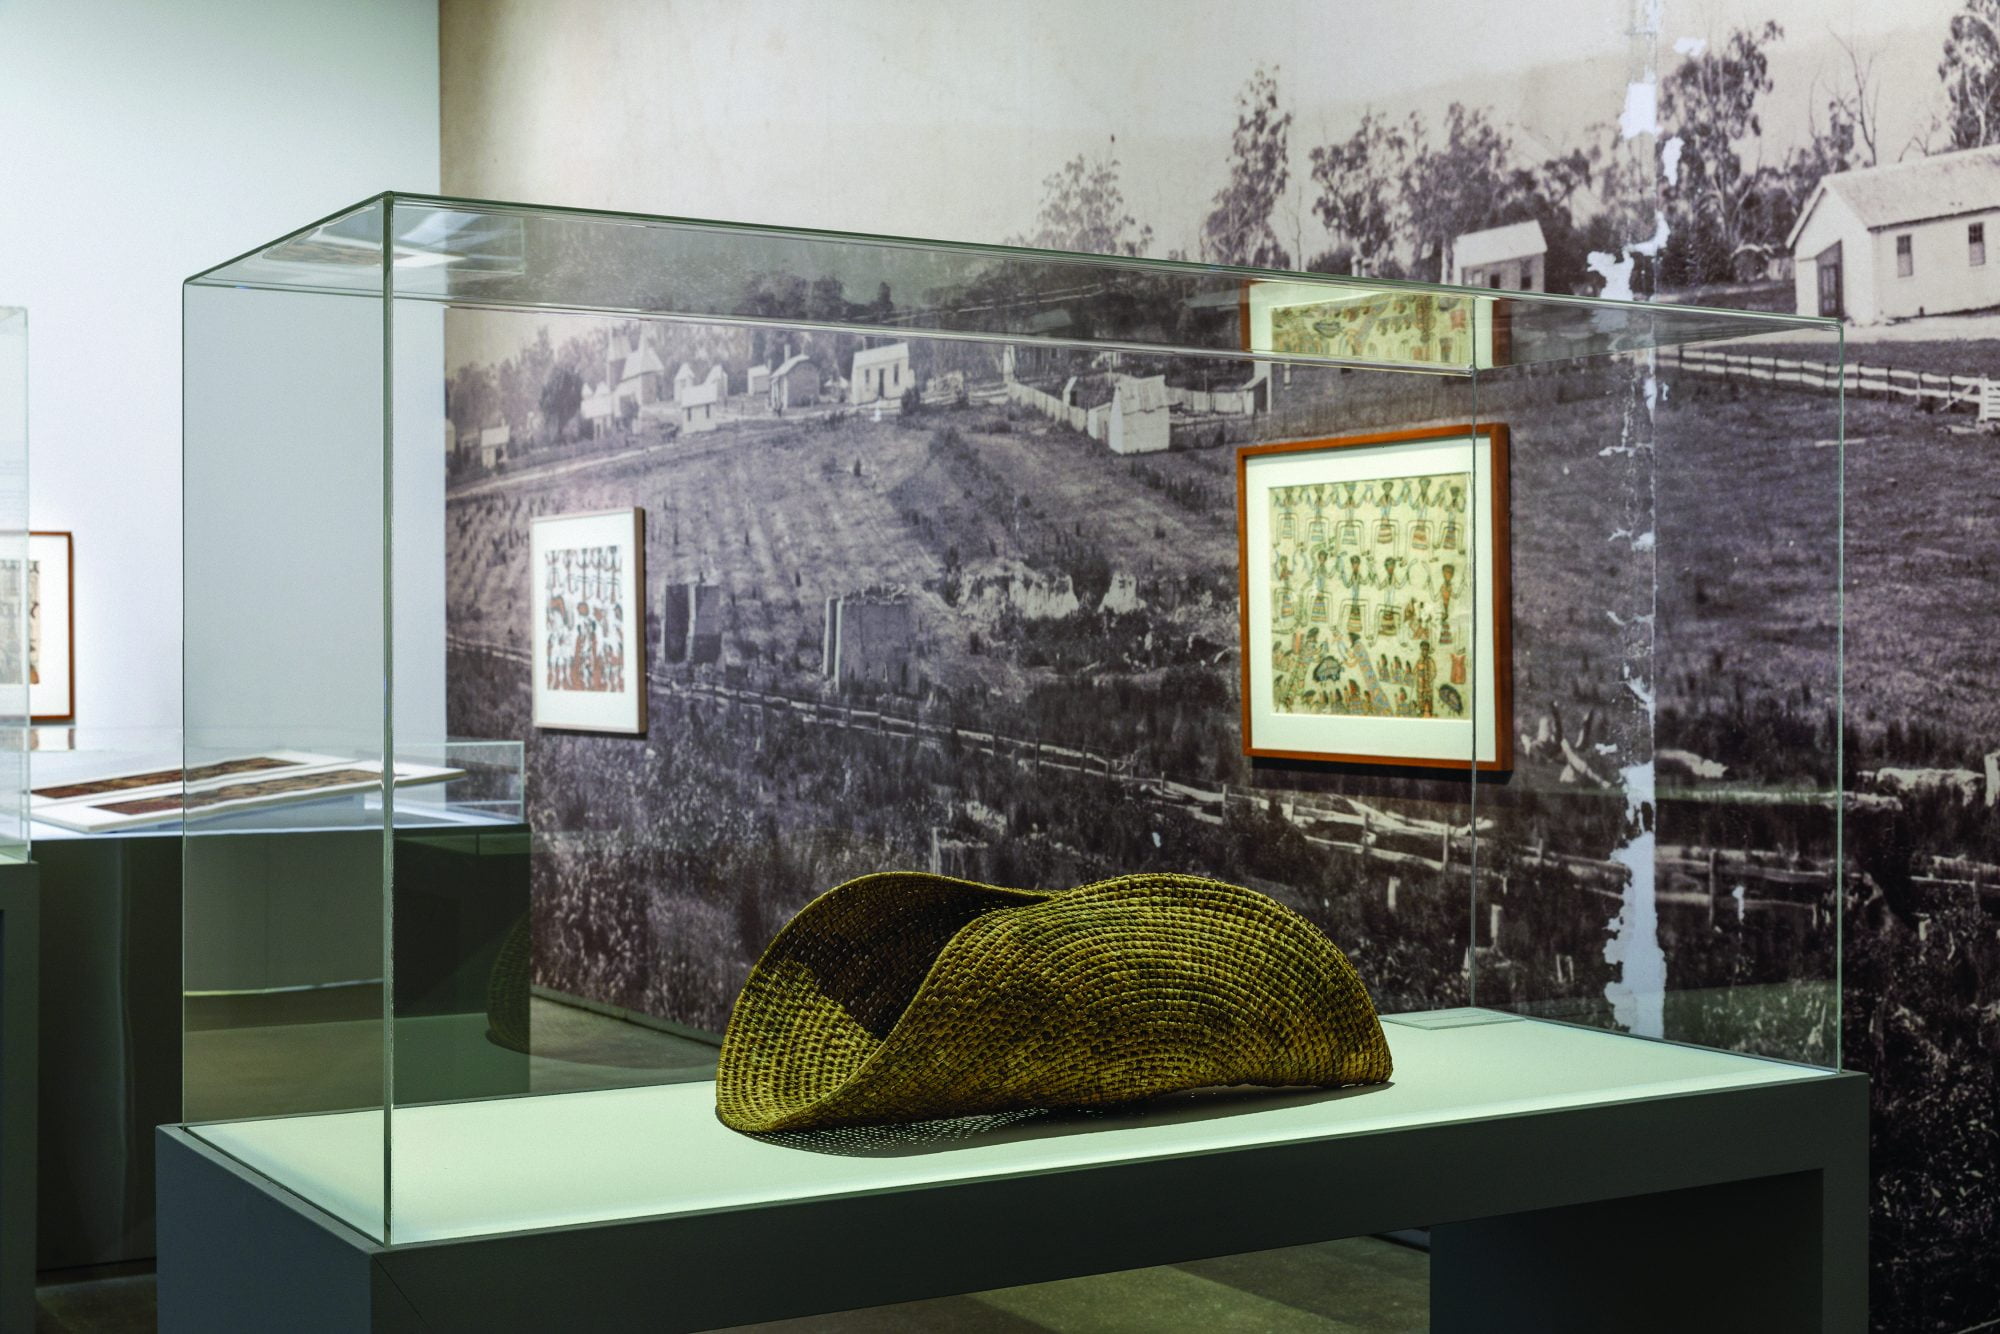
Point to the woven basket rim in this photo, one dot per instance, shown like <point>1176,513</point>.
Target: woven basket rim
<point>1026,897</point>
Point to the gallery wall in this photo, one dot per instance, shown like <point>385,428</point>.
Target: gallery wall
<point>922,120</point>
<point>144,143</point>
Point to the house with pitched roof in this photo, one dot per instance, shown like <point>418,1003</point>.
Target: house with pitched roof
<point>1140,420</point>
<point>1514,257</point>
<point>882,372</point>
<point>633,371</point>
<point>795,383</point>
<point>1909,238</point>
<point>598,408</point>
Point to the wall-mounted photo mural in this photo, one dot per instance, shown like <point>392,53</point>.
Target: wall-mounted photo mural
<point>920,624</point>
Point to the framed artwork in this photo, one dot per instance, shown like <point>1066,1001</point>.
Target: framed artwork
<point>589,621</point>
<point>48,590</point>
<point>1375,604</point>
<point>1384,326</point>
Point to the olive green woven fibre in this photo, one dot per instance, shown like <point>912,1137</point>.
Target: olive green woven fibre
<point>904,997</point>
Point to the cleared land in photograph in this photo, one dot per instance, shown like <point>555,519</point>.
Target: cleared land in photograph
<point>1071,711</point>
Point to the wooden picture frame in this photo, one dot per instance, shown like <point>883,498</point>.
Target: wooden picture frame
<point>51,599</point>
<point>1374,598</point>
<point>1380,327</point>
<point>589,660</point>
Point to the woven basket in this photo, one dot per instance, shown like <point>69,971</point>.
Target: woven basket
<point>507,990</point>
<point>903,997</point>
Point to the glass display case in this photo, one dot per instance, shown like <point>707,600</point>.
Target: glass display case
<point>637,579</point>
<point>19,580</point>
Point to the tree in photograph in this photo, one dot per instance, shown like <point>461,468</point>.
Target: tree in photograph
<point>1454,187</point>
<point>1970,71</point>
<point>1856,101</point>
<point>826,300</point>
<point>1358,201</point>
<point>561,399</point>
<point>1846,139</point>
<point>1238,229</point>
<point>1710,103</point>
<point>471,399</point>
<point>1547,193</point>
<point>1083,209</point>
<point>1623,223</point>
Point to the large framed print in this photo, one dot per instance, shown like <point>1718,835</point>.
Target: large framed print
<point>589,621</point>
<point>1375,598</point>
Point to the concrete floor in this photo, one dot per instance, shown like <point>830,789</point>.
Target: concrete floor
<point>1359,1286</point>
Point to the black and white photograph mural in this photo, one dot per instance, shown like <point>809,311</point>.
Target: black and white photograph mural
<point>908,604</point>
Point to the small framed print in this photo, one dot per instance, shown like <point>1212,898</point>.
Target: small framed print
<point>51,595</point>
<point>1375,326</point>
<point>1375,603</point>
<point>589,621</point>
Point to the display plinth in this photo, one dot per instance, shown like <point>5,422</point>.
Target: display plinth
<point>1488,1123</point>
<point>1450,620</point>
<point>20,986</point>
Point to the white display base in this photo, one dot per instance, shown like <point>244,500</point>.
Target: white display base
<point>476,1168</point>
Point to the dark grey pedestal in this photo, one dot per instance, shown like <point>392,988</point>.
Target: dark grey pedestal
<point>111,1012</point>
<point>1741,1208</point>
<point>111,1041</point>
<point>20,951</point>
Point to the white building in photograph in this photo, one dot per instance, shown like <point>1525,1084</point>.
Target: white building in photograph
<point>698,406</point>
<point>1141,422</point>
<point>1514,257</point>
<point>636,374</point>
<point>493,442</point>
<point>757,381</point>
<point>683,381</point>
<point>795,383</point>
<point>1910,238</point>
<point>598,409</point>
<point>719,378</point>
<point>881,372</point>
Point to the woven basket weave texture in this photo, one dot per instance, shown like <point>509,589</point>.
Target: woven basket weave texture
<point>903,996</point>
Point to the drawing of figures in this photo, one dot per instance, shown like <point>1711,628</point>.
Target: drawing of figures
<point>590,660</point>
<point>1373,697</point>
<point>584,649</point>
<point>1419,531</point>
<point>1396,536</point>
<point>1350,521</point>
<point>1386,526</point>
<point>1453,537</point>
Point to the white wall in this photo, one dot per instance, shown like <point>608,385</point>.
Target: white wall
<point>145,141</point>
<point>1943,278</point>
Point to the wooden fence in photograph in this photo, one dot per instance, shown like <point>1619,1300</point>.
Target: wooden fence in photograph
<point>1728,883</point>
<point>1936,388</point>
